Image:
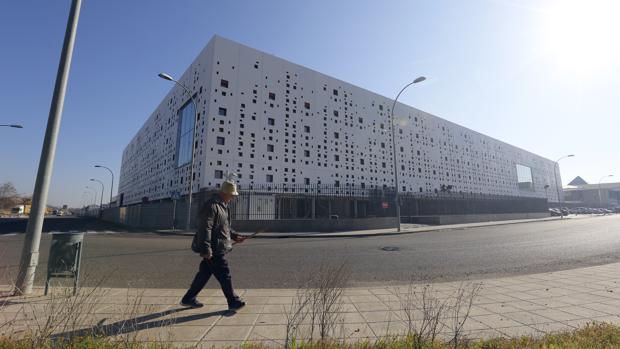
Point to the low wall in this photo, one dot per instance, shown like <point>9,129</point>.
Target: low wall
<point>472,218</point>
<point>316,225</point>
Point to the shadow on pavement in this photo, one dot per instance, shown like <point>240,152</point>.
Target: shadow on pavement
<point>139,323</point>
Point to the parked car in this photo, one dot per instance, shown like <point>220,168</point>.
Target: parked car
<point>554,212</point>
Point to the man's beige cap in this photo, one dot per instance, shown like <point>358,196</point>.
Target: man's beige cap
<point>229,187</point>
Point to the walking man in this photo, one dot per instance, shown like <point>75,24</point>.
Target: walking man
<point>212,241</point>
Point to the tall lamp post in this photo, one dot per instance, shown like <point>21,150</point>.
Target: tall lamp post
<point>396,200</point>
<point>95,194</point>
<point>191,170</point>
<point>101,197</point>
<point>30,250</point>
<point>13,126</point>
<point>600,200</point>
<point>557,185</point>
<point>112,184</point>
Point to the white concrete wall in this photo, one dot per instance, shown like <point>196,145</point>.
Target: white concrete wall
<point>434,151</point>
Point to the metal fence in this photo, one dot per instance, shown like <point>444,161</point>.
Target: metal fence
<point>271,202</point>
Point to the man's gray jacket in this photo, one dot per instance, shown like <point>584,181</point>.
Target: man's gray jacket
<point>214,231</point>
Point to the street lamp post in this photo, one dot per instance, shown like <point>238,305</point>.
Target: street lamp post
<point>600,200</point>
<point>557,185</point>
<point>191,171</point>
<point>101,197</point>
<point>13,126</point>
<point>396,200</point>
<point>112,184</point>
<point>30,250</point>
<point>95,195</point>
<point>547,195</point>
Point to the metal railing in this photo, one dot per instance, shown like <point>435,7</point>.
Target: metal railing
<point>271,202</point>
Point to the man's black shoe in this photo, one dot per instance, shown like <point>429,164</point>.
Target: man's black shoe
<point>236,304</point>
<point>191,304</point>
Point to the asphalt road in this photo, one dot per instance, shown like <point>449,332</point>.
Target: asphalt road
<point>140,259</point>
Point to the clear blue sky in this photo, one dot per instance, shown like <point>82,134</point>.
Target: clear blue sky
<point>541,75</point>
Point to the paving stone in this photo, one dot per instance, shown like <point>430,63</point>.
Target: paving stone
<point>528,318</point>
<point>556,315</point>
<point>499,308</point>
<point>518,331</point>
<point>268,332</point>
<point>497,321</point>
<point>236,333</point>
<point>238,319</point>
<point>582,311</point>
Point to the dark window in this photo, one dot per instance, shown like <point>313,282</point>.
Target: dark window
<point>270,148</point>
<point>185,134</point>
<point>336,157</point>
<point>335,92</point>
<point>271,121</point>
<point>307,153</point>
<point>307,181</point>
<point>307,129</point>
<point>221,111</point>
<point>335,113</point>
<point>307,105</point>
<point>220,140</point>
<point>219,174</point>
<point>269,178</point>
<point>224,83</point>
<point>336,135</point>
<point>272,96</point>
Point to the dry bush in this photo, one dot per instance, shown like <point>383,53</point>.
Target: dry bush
<point>317,305</point>
<point>61,318</point>
<point>459,310</point>
<point>426,313</point>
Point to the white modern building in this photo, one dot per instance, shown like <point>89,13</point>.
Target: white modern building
<point>273,121</point>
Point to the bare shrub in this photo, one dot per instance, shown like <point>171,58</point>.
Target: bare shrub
<point>62,312</point>
<point>459,312</point>
<point>318,301</point>
<point>426,313</point>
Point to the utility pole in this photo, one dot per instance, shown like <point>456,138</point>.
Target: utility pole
<point>30,251</point>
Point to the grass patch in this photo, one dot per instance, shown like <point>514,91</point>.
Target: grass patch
<point>592,336</point>
<point>87,342</point>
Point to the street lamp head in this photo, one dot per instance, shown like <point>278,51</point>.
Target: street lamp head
<point>570,156</point>
<point>419,79</point>
<point>16,126</point>
<point>165,76</point>
<point>92,180</point>
<point>97,166</point>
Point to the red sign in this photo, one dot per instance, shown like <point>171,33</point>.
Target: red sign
<point>384,204</point>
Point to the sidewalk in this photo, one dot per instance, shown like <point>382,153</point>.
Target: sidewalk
<point>405,229</point>
<point>511,306</point>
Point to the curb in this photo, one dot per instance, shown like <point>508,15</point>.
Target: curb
<point>387,233</point>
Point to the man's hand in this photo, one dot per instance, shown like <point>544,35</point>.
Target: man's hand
<point>207,255</point>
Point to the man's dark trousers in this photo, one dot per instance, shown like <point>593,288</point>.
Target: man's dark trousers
<point>218,266</point>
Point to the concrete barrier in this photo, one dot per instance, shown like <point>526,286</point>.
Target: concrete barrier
<point>472,218</point>
<point>314,225</point>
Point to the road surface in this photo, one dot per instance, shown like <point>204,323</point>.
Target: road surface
<point>141,259</point>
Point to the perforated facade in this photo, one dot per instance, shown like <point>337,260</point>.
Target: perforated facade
<point>272,121</point>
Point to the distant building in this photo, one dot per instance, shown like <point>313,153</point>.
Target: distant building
<point>275,122</point>
<point>592,195</point>
<point>577,181</point>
